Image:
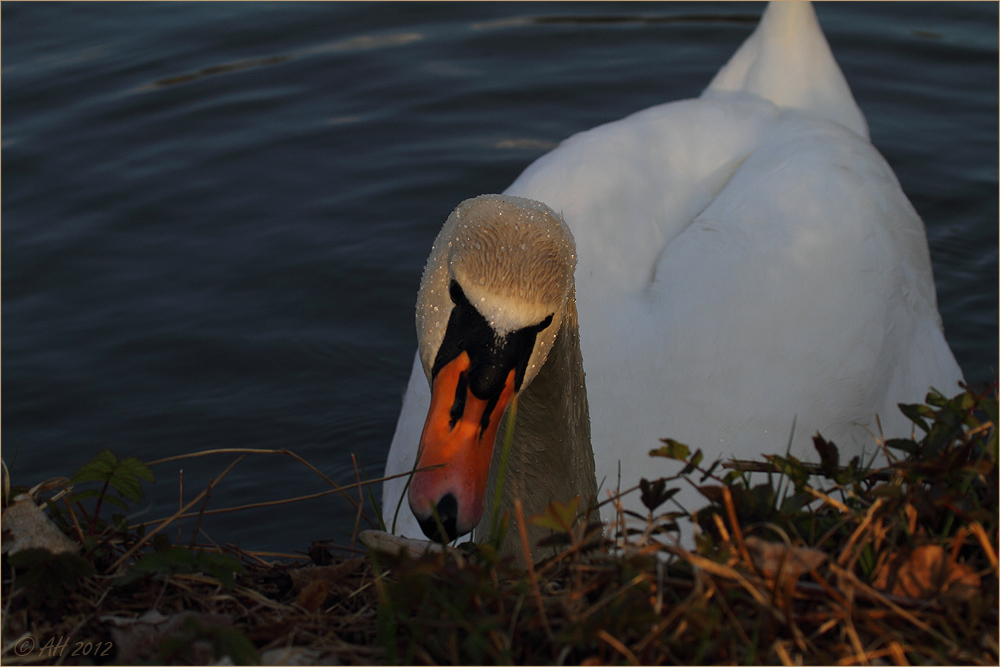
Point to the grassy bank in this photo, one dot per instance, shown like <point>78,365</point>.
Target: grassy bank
<point>835,563</point>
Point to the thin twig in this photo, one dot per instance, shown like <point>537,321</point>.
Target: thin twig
<point>265,503</point>
<point>319,472</point>
<point>727,499</point>
<point>519,512</point>
<point>180,501</point>
<point>361,499</point>
<point>166,522</point>
<point>876,595</point>
<point>201,515</point>
<point>811,468</point>
<point>618,646</point>
<point>76,524</point>
<point>984,541</point>
<point>208,452</point>
<point>845,554</point>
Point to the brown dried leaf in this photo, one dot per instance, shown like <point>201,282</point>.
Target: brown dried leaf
<point>332,574</point>
<point>782,561</point>
<point>925,572</point>
<point>314,595</point>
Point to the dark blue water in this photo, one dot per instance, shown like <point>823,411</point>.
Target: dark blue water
<point>215,215</point>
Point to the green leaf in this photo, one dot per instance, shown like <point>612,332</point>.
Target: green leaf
<point>829,456</point>
<point>942,433</point>
<point>124,476</point>
<point>936,398</point>
<point>916,413</point>
<point>98,469</point>
<point>137,468</point>
<point>175,559</point>
<point>47,577</point>
<point>672,450</point>
<point>792,468</point>
<point>795,502</point>
<point>558,516</point>
<point>697,458</point>
<point>731,477</point>
<point>989,406</point>
<point>180,560</point>
<point>128,485</point>
<point>654,494</point>
<point>890,491</point>
<point>902,444</point>
<point>158,563</point>
<point>221,566</point>
<point>964,401</point>
<point>713,492</point>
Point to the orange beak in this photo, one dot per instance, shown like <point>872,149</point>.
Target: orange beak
<point>458,437</point>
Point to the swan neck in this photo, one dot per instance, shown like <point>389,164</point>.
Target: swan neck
<point>551,458</point>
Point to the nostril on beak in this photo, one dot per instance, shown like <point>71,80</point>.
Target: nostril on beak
<point>447,515</point>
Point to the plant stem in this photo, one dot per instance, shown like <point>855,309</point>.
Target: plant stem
<point>97,508</point>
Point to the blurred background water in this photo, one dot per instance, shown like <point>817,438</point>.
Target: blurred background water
<point>215,215</point>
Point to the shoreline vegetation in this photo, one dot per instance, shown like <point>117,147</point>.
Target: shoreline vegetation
<point>891,561</point>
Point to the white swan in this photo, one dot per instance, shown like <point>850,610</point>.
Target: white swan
<point>745,261</point>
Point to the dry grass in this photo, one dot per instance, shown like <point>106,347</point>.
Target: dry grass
<point>831,564</point>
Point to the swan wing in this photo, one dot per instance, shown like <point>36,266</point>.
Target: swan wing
<point>803,291</point>
<point>396,513</point>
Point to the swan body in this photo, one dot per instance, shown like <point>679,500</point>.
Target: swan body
<point>748,270</point>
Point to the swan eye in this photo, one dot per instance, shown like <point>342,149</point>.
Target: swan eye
<point>456,293</point>
<point>491,357</point>
<point>458,407</point>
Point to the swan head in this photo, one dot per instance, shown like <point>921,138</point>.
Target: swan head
<point>491,303</point>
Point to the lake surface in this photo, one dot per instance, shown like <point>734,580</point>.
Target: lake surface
<point>215,215</point>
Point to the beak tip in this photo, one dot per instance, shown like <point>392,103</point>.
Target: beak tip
<point>442,522</point>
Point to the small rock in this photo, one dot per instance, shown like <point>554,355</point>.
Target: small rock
<point>25,526</point>
<point>394,545</point>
